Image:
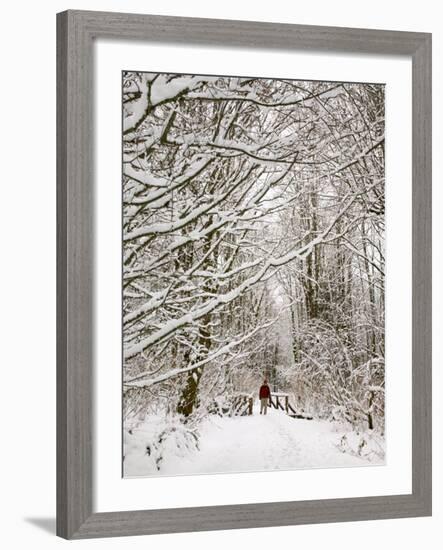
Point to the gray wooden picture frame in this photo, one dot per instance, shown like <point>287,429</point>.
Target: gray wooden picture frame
<point>76,32</point>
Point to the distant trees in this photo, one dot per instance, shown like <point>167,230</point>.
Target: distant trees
<point>253,225</point>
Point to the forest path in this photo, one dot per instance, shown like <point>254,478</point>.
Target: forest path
<point>263,442</point>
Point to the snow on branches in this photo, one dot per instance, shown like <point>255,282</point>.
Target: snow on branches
<point>253,215</point>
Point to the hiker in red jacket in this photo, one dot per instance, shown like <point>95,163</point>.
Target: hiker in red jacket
<point>264,395</point>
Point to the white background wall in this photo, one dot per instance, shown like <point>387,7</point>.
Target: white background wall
<point>27,275</point>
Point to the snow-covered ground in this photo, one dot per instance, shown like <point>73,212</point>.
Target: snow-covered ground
<point>248,443</point>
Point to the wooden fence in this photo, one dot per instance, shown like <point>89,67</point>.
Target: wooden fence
<point>281,401</point>
<point>243,405</point>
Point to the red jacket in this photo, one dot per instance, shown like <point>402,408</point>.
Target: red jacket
<point>265,392</point>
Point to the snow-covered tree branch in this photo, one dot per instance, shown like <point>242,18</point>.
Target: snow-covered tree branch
<point>253,243</point>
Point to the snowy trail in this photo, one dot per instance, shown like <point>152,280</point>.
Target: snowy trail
<point>253,443</point>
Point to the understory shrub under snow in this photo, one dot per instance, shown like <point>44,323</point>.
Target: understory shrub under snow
<point>367,444</point>
<point>157,437</point>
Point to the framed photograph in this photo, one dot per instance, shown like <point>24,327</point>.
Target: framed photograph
<point>244,274</point>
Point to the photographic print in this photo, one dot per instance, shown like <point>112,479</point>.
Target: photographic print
<point>253,274</point>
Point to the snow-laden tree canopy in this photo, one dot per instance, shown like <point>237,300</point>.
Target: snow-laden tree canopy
<point>253,241</point>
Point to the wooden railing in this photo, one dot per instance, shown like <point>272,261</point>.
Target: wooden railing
<point>242,405</point>
<point>277,401</point>
<point>237,405</point>
<point>281,401</point>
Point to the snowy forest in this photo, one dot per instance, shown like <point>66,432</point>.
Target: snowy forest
<point>253,248</point>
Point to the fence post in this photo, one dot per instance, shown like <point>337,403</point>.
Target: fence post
<point>251,401</point>
<point>286,403</point>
